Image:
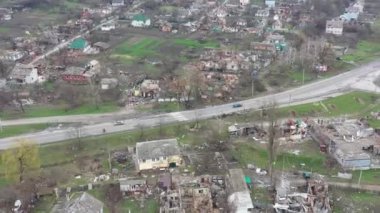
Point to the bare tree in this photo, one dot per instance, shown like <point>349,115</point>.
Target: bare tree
<point>76,133</point>
<point>16,90</point>
<point>141,129</point>
<point>94,93</point>
<point>5,99</point>
<point>113,196</point>
<point>271,114</point>
<point>73,95</point>
<point>3,70</point>
<point>161,129</point>
<point>217,136</point>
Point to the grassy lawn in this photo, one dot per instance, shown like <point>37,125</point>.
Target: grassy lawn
<point>45,204</point>
<point>252,153</point>
<point>374,123</point>
<point>371,176</point>
<point>298,76</point>
<point>190,43</point>
<point>46,111</point>
<point>141,48</point>
<point>9,131</point>
<point>162,107</point>
<point>354,201</point>
<point>4,29</point>
<point>354,103</point>
<point>365,51</point>
<point>150,206</point>
<point>126,205</point>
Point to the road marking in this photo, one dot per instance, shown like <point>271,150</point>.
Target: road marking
<point>179,116</point>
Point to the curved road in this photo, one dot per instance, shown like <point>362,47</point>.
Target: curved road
<point>359,78</point>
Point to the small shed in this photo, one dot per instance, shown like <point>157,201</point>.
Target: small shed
<point>102,46</point>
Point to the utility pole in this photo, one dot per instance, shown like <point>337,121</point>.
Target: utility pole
<point>303,75</point>
<point>252,88</point>
<point>109,158</point>
<point>360,177</point>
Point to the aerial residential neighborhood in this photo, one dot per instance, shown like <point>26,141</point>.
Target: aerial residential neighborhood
<point>189,106</point>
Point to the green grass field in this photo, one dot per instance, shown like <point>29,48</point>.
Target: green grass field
<point>46,111</point>
<point>162,107</point>
<point>9,131</point>
<point>250,153</point>
<point>298,76</point>
<point>371,176</point>
<point>127,204</point>
<point>190,43</point>
<point>354,103</point>
<point>4,29</point>
<point>364,52</point>
<point>142,48</point>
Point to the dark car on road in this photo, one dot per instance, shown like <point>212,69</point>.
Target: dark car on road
<point>237,105</point>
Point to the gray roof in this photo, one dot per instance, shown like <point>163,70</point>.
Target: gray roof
<point>117,1</point>
<point>21,71</point>
<point>74,71</point>
<point>156,149</point>
<point>103,45</point>
<point>83,203</point>
<point>132,182</point>
<point>334,24</point>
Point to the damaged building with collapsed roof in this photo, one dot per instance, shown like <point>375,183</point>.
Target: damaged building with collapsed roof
<point>23,74</point>
<point>352,143</point>
<point>293,196</point>
<point>200,194</point>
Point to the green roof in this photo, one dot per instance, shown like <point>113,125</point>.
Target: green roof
<point>78,44</point>
<point>247,180</point>
<point>140,17</point>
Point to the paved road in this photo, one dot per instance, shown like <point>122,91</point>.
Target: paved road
<point>307,93</point>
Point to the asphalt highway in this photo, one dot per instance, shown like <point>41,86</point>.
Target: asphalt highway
<point>308,93</point>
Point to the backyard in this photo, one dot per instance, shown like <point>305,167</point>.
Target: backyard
<point>365,51</point>
<point>307,159</point>
<point>136,48</point>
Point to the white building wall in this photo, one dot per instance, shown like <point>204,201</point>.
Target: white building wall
<point>32,78</point>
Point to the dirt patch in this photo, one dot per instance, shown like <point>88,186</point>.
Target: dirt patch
<point>359,100</point>
<point>332,106</point>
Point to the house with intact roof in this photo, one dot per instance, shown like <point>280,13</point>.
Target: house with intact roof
<point>158,154</point>
<point>140,20</point>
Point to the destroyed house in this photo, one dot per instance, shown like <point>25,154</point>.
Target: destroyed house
<point>196,199</point>
<point>131,187</point>
<point>76,75</point>
<point>23,74</point>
